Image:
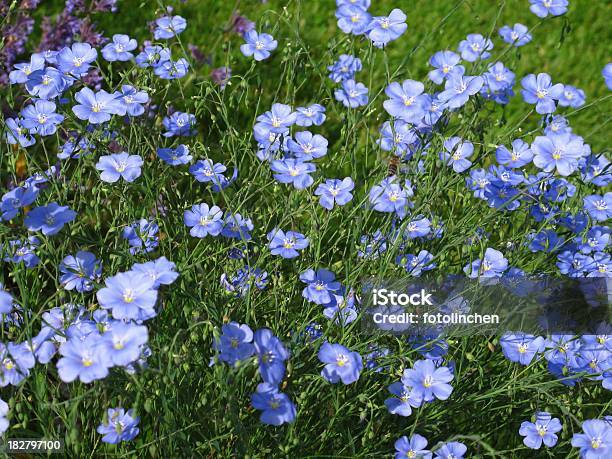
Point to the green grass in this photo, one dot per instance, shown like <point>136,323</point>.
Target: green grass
<point>189,409</point>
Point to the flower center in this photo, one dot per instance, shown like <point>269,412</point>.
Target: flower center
<point>341,360</point>
<point>128,296</point>
<point>288,243</point>
<point>78,61</point>
<point>87,362</point>
<point>522,348</point>
<point>42,118</point>
<point>259,45</point>
<point>541,93</point>
<point>428,381</point>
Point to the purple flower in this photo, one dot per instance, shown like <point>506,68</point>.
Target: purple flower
<point>341,364</point>
<point>49,219</point>
<point>475,47</point>
<point>456,153</point>
<point>596,439</point>
<point>521,347</point>
<point>235,343</point>
<point>294,171</point>
<point>175,156</point>
<point>40,118</point>
<point>599,207</point>
<point>119,165</point>
<point>286,244</point>
<point>413,447</point>
<point>517,36</point>
<point>120,426</point>
<point>168,27</point>
<point>335,191</point>
<point>129,295</point>
<point>492,265</point>
<point>80,271</point>
<point>352,94</point>
<point>258,45</point>
<point>119,49</point>
<point>353,19</point>
<point>311,115</point>
<point>76,60</point>
<point>558,151</point>
<point>459,88</point>
<point>427,381</point>
<point>543,430</point>
<point>83,359</point>
<point>383,29</point>
<point>96,107</point>
<point>179,124</point>
<point>405,101</point>
<point>539,90</point>
<point>446,65</point>
<point>221,76</point>
<point>204,220</point>
<point>271,355</point>
<point>277,408</point>
<point>520,155</point>
<point>543,8</point>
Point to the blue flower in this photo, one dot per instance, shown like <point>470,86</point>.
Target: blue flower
<point>123,342</point>
<point>237,227</point>
<point>49,219</point>
<point>162,271</point>
<point>130,101</point>
<point>571,97</point>
<point>521,347</point>
<point>235,343</point>
<point>475,47</point>
<point>446,65</point>
<point>15,199</point>
<point>74,148</point>
<point>80,271</point>
<point>141,236</point>
<point>258,45</point>
<point>168,27</point>
<point>96,107</point>
<point>46,83</point>
<point>456,153</point>
<point>520,156</point>
<point>404,400</point>
<point>433,108</point>
<point>179,124</point>
<point>307,146</point>
<point>84,359</point>
<point>517,36</point>
<point>413,447</point>
<point>416,264</point>
<point>383,29</point>
<point>451,450</point>
<point>175,156</point>
<point>204,220</point>
<point>417,228</point>
<point>119,165</point>
<point>400,138</point>
<point>286,244</point>
<point>543,8</point>
<point>607,74</point>
<point>345,68</point>
<point>545,241</point>
<point>595,240</point>
<point>596,170</point>
<point>119,49</point>
<point>352,94</point>
<point>17,133</point>
<point>498,77</point>
<point>271,355</point>
<point>129,295</point>
<point>171,70</point>
<point>492,265</point>
<point>22,251</point>
<point>574,264</point>
<point>405,101</point>
<point>153,56</point>
<point>40,118</point>
<point>341,364</point>
<point>206,171</point>
<point>390,197</point>
<point>277,408</point>
<point>541,91</point>
<point>353,19</point>
<point>76,60</point>
<point>558,151</point>
<point>543,430</point>
<point>294,171</point>
<point>335,191</point>
<point>120,426</point>
<point>599,207</point>
<point>459,88</point>
<point>557,124</point>
<point>307,116</point>
<point>320,285</point>
<point>595,440</point>
<point>24,69</point>
<point>278,120</point>
<point>427,381</point>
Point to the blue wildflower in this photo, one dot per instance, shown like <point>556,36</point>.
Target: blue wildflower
<point>341,364</point>
<point>204,220</point>
<point>49,219</point>
<point>258,45</point>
